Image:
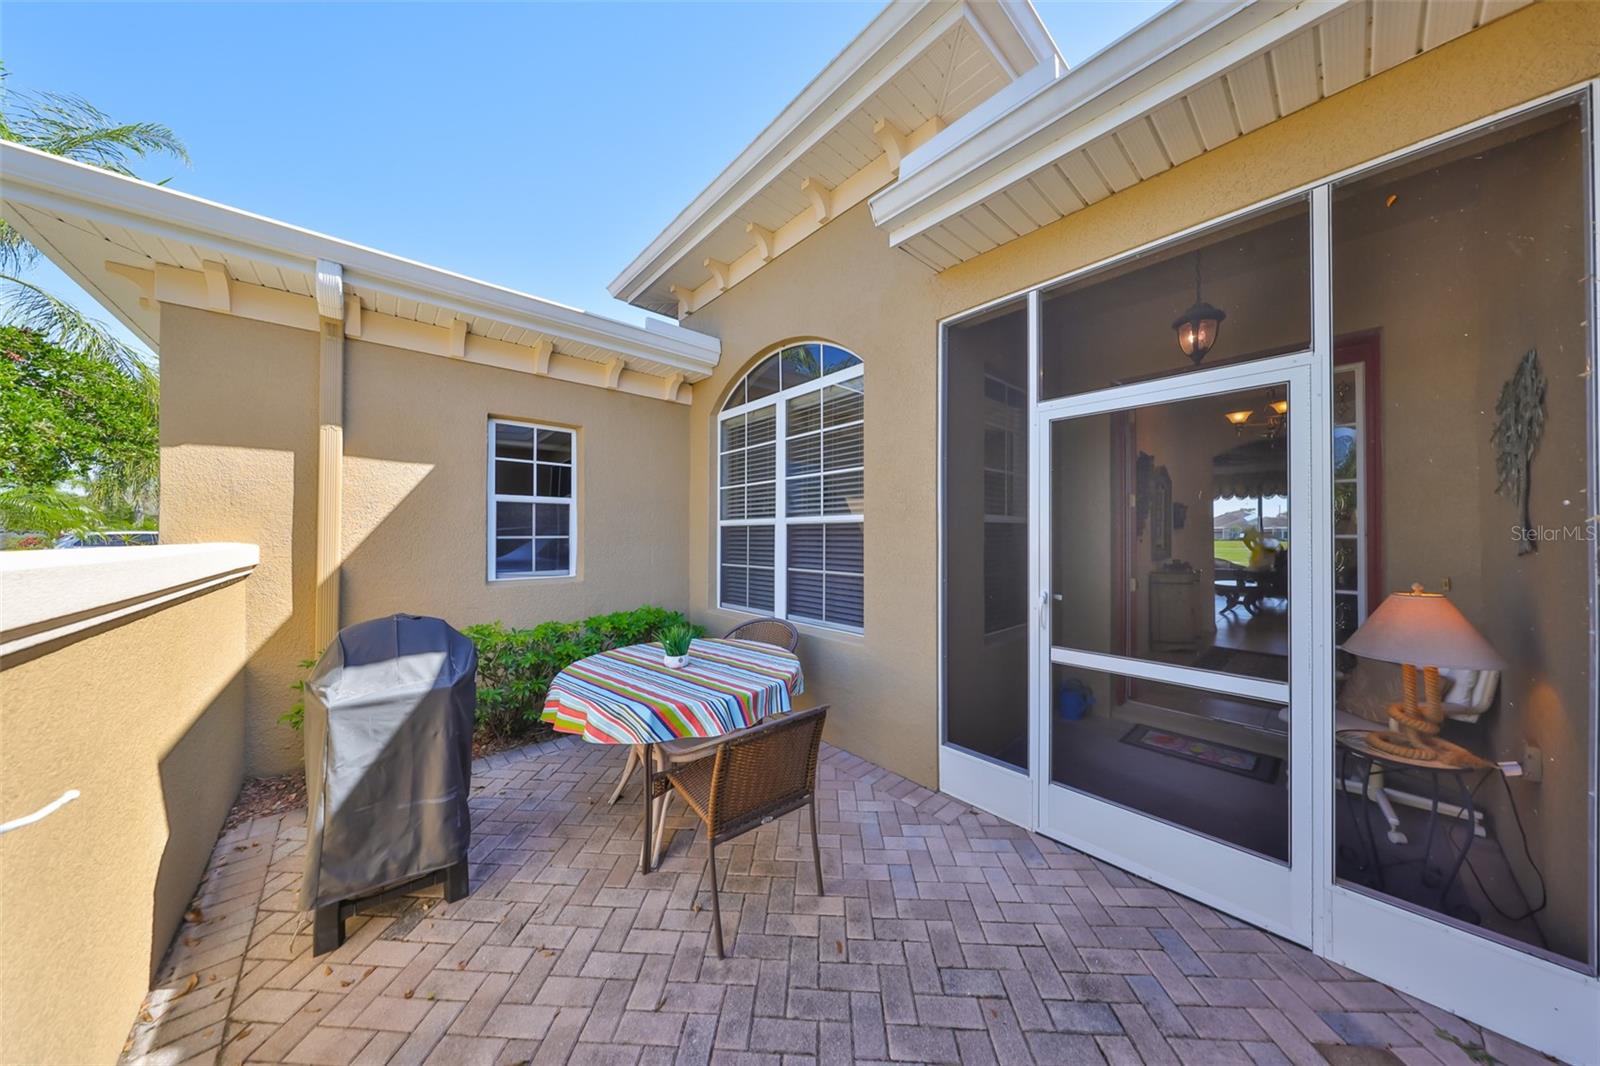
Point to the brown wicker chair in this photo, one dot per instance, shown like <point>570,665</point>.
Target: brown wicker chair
<point>774,631</point>
<point>761,774</point>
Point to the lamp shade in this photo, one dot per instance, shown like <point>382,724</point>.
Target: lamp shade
<point>1424,629</point>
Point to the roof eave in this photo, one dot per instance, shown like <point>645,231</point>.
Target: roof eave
<point>1143,65</point>
<point>52,182</point>
<point>872,51</point>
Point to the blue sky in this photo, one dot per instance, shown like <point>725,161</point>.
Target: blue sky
<point>538,146</point>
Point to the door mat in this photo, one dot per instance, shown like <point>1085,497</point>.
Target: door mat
<point>1250,764</point>
<point>1260,664</point>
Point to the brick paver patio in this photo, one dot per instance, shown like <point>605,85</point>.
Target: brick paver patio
<point>947,935</point>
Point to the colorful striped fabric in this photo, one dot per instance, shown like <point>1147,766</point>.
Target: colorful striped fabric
<point>629,696</point>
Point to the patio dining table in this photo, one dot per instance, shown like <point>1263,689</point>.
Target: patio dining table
<point>630,696</point>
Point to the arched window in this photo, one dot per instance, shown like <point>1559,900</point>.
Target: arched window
<point>790,488</point>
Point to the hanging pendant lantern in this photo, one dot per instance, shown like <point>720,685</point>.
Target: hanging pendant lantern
<point>1197,328</point>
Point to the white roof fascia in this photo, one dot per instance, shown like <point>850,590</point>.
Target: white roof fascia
<point>999,21</point>
<point>1183,46</point>
<point>901,29</point>
<point>52,183</point>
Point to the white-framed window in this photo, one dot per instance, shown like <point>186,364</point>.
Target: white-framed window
<point>1005,504</point>
<point>533,500</point>
<point>790,488</point>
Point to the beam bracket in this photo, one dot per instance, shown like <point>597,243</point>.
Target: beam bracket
<point>892,140</point>
<point>821,196</point>
<point>219,288</point>
<point>763,239</point>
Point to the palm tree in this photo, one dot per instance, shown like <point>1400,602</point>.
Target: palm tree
<point>73,128</point>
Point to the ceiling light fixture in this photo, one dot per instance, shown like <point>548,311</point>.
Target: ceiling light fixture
<point>1197,328</point>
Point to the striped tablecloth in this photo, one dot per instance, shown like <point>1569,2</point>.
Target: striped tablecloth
<point>629,696</point>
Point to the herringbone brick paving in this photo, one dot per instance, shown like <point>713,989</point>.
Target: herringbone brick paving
<point>946,935</point>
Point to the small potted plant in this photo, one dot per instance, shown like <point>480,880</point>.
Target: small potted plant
<point>675,641</point>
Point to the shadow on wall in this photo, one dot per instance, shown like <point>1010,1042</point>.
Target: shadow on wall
<point>194,790</point>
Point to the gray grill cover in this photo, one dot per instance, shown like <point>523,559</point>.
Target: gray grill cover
<point>388,732</point>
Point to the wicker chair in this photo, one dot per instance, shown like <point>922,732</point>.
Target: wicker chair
<point>757,775</point>
<point>774,631</point>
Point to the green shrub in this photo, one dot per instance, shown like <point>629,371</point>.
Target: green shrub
<point>516,666</point>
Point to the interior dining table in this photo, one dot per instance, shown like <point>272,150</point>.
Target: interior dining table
<point>631,696</point>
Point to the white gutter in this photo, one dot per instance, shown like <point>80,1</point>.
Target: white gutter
<point>1183,46</point>
<point>54,184</point>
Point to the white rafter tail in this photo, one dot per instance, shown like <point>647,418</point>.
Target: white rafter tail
<point>219,287</point>
<point>892,139</point>
<point>685,298</point>
<point>541,355</point>
<point>669,391</point>
<point>821,196</point>
<point>719,270</point>
<point>330,289</point>
<point>613,372</point>
<point>352,315</point>
<point>763,239</point>
<point>458,338</point>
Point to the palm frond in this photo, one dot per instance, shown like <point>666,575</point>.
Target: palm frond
<point>70,126</point>
<point>16,254</point>
<point>26,305</point>
<point>47,511</point>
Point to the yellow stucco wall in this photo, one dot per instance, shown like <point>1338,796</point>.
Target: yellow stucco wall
<point>239,457</point>
<point>414,514</point>
<point>846,285</point>
<point>239,463</point>
<point>146,720</point>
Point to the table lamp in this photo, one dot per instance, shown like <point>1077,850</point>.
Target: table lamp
<point>1424,629</point>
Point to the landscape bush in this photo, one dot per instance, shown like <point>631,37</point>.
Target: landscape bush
<point>516,666</point>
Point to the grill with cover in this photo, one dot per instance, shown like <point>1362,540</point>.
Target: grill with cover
<point>388,733</point>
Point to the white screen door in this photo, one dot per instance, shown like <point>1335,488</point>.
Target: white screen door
<point>1173,731</point>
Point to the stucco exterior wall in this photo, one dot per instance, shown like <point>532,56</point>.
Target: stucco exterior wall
<point>415,510</point>
<point>845,284</point>
<point>146,720</point>
<point>239,463</point>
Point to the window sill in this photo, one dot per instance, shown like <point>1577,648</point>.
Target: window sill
<point>514,578</point>
<point>821,629</point>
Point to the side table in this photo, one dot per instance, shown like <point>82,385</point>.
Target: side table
<point>1356,753</point>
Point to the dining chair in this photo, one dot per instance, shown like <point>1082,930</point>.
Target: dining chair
<point>755,776</point>
<point>774,631</point>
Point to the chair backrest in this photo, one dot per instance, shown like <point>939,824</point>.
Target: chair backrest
<point>774,631</point>
<point>765,772</point>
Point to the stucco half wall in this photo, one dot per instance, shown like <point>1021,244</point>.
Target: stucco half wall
<point>239,462</point>
<point>846,285</point>
<point>142,714</point>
